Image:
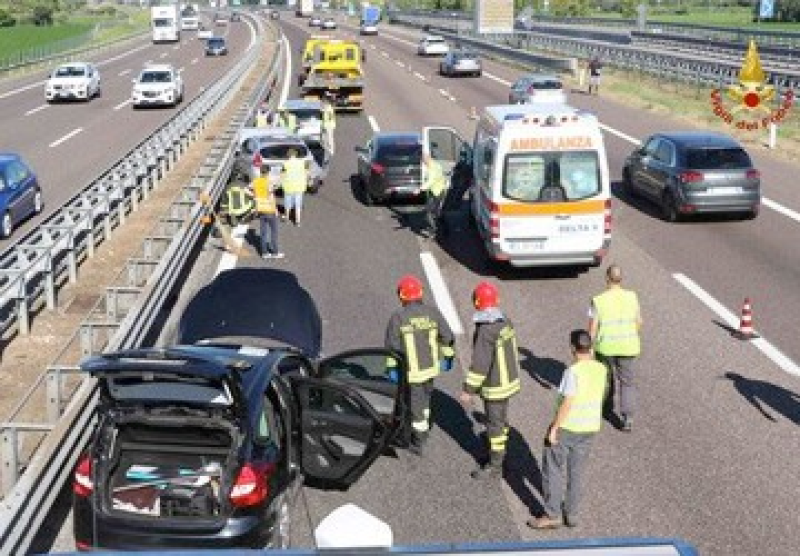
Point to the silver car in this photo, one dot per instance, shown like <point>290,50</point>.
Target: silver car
<point>538,88</point>
<point>460,63</point>
<point>271,147</point>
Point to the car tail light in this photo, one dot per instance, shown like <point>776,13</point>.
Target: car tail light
<point>377,168</point>
<point>691,177</point>
<point>82,484</point>
<point>753,175</point>
<point>252,484</point>
<point>607,217</point>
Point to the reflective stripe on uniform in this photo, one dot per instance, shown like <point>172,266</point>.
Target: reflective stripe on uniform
<point>417,375</point>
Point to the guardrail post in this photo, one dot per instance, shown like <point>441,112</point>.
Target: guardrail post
<point>10,457</point>
<point>119,301</point>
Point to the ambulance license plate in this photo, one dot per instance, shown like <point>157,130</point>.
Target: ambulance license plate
<point>521,246</point>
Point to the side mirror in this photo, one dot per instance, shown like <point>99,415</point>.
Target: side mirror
<point>362,150</point>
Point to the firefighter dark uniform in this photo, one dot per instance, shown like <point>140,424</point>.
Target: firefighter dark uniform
<point>237,204</point>
<point>421,334</point>
<point>493,374</point>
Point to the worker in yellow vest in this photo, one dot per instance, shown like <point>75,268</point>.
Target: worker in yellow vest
<point>434,186</point>
<point>266,208</point>
<point>578,418</point>
<point>262,116</point>
<point>295,184</point>
<point>328,123</point>
<point>615,324</point>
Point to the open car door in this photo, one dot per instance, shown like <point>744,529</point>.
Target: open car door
<point>445,145</point>
<point>350,412</point>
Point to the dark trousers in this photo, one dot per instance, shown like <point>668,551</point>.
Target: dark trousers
<point>565,460</point>
<point>620,374</point>
<point>420,402</point>
<point>433,207</point>
<point>269,233</point>
<point>496,412</point>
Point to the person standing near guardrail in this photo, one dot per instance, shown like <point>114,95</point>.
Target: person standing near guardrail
<point>263,188</point>
<point>595,67</point>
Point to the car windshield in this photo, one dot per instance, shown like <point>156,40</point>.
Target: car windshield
<point>317,151</point>
<point>70,71</point>
<point>397,154</point>
<point>307,114</point>
<point>156,77</point>
<point>281,151</point>
<point>551,176</point>
<point>216,42</point>
<point>546,85</point>
<point>163,23</point>
<point>717,159</point>
<point>465,57</point>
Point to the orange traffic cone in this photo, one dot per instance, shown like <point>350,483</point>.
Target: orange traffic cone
<point>746,331</point>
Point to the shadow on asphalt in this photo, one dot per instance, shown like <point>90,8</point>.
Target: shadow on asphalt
<point>544,370</point>
<point>765,396</point>
<point>449,415</point>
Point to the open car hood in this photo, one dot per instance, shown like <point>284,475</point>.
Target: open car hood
<point>264,305</point>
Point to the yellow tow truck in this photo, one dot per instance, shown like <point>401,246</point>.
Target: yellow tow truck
<point>332,69</point>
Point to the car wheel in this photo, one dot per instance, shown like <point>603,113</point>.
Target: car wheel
<point>669,208</point>
<point>478,73</point>
<point>6,226</point>
<point>38,202</point>
<point>369,200</point>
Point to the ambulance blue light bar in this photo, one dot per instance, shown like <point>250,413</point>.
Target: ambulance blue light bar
<point>542,120</point>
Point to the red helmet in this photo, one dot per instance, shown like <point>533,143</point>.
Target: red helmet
<point>409,288</point>
<point>484,296</point>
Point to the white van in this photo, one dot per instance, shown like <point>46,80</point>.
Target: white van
<point>541,194</point>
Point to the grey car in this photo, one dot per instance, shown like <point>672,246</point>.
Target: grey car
<point>537,88</point>
<point>460,63</point>
<point>693,172</point>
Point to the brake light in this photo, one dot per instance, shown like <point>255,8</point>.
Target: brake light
<point>82,484</point>
<point>691,177</point>
<point>753,175</point>
<point>607,217</point>
<point>252,484</point>
<point>377,168</point>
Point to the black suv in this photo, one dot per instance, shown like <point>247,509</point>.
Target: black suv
<point>205,445</point>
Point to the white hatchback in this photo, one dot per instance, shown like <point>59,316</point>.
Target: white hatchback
<point>432,46</point>
<point>73,81</point>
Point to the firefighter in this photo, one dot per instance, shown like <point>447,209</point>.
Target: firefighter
<point>420,333</point>
<point>493,374</point>
<point>237,204</point>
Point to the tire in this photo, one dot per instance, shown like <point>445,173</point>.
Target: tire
<point>6,226</point>
<point>38,202</point>
<point>669,208</point>
<point>367,197</point>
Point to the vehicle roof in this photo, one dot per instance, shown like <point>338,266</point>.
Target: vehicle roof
<point>300,104</point>
<point>700,138</point>
<point>257,303</point>
<point>158,67</point>
<point>501,113</point>
<point>540,77</point>
<point>73,64</point>
<point>264,134</point>
<point>6,157</point>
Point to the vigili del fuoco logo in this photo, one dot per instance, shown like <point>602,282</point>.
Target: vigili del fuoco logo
<point>752,97</point>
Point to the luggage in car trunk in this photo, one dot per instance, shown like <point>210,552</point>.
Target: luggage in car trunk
<point>168,471</point>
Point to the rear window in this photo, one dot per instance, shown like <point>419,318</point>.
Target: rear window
<point>156,77</point>
<point>547,85</point>
<point>717,159</point>
<point>399,153</point>
<point>551,177</point>
<point>305,115</point>
<point>156,387</point>
<point>281,152</point>
<point>216,42</point>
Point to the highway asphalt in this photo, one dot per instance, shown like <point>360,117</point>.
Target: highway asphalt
<point>712,458</point>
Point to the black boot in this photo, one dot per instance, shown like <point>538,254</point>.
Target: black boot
<point>418,441</point>
<point>492,470</point>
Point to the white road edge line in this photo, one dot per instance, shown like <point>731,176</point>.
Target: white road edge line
<point>773,353</point>
<point>440,292</point>
<point>493,77</point>
<point>228,260</point>
<point>418,74</point>
<point>37,109</point>
<point>621,135</point>
<point>122,105</point>
<point>287,77</point>
<point>67,137</point>
<point>124,72</point>
<point>399,63</point>
<point>373,123</point>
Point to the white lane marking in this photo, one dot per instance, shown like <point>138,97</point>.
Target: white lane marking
<point>398,39</point>
<point>384,54</point>
<point>194,61</point>
<point>444,93</point>
<point>122,105</point>
<point>373,123</point>
<point>67,137</point>
<point>37,109</point>
<point>124,72</point>
<point>440,292</point>
<point>22,89</point>
<point>494,77</point>
<point>287,75</point>
<point>181,69</point>
<point>399,63</point>
<point>163,55</point>
<point>420,76</point>
<point>176,47</point>
<point>794,215</point>
<point>620,134</point>
<point>732,320</point>
<point>228,260</point>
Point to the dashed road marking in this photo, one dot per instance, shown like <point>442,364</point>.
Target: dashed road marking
<point>122,105</point>
<point>373,123</point>
<point>440,292</point>
<point>67,137</point>
<point>620,134</point>
<point>124,72</point>
<point>494,77</point>
<point>163,55</point>
<point>794,215</point>
<point>194,61</point>
<point>399,63</point>
<point>420,76</point>
<point>37,109</point>
<point>773,353</point>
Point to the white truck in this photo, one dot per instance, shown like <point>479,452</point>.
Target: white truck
<point>305,8</point>
<point>165,22</point>
<point>190,17</point>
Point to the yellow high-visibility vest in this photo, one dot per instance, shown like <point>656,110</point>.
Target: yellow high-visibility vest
<point>616,313</point>
<point>435,181</point>
<point>586,413</point>
<point>265,200</point>
<point>295,177</point>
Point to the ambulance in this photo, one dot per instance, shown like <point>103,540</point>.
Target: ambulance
<point>541,194</point>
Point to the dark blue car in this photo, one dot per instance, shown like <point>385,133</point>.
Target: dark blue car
<point>20,194</point>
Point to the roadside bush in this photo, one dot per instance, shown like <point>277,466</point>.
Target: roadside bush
<point>6,19</point>
<point>42,15</point>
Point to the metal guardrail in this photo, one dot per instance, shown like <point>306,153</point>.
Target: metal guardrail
<point>127,314</point>
<point>676,67</point>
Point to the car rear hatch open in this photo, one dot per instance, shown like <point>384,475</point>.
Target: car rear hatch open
<point>168,438</point>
